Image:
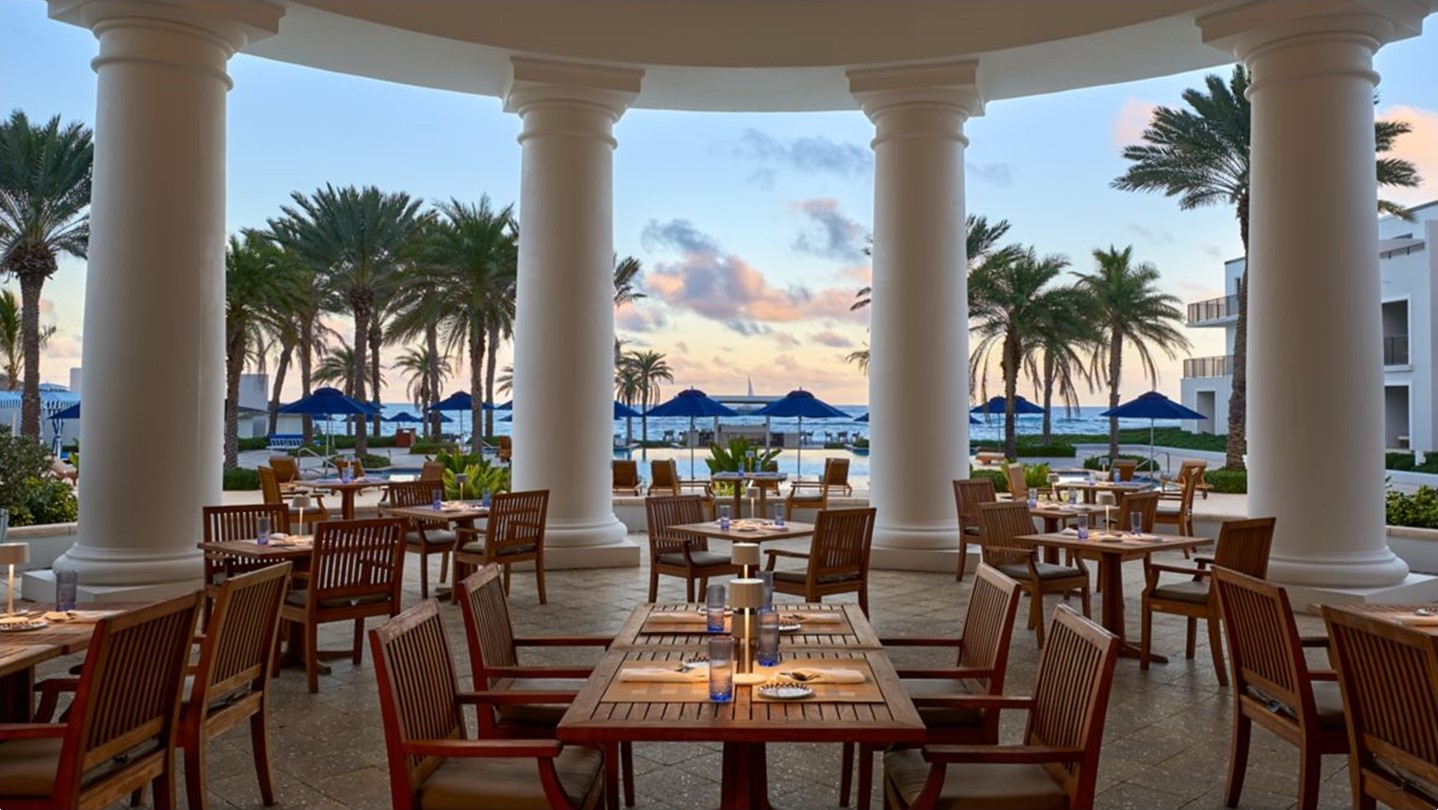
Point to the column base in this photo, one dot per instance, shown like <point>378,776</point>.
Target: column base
<point>1413,590</point>
<point>39,586</point>
<point>1378,568</point>
<point>601,543</point>
<point>920,559</point>
<point>118,575</point>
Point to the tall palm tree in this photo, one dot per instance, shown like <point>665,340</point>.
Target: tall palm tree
<point>981,240</point>
<point>1201,156</point>
<point>12,340</point>
<point>44,191</point>
<point>337,368</point>
<point>420,308</point>
<point>1128,307</point>
<point>1061,340</point>
<point>1009,302</point>
<point>626,288</point>
<point>295,328</point>
<point>649,368</point>
<point>471,251</point>
<point>356,240</point>
<point>257,284</point>
<point>627,389</point>
<point>418,367</point>
<point>860,358</point>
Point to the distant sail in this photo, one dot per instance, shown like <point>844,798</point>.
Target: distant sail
<point>751,386</point>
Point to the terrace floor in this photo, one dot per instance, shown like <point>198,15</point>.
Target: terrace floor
<point>1165,741</point>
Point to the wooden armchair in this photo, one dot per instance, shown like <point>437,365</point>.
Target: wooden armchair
<point>529,701</point>
<point>354,465</point>
<point>815,494</point>
<point>1125,467</point>
<point>505,452</point>
<point>681,555</point>
<point>424,537</point>
<point>270,491</point>
<point>968,494</point>
<point>228,524</point>
<point>432,470</point>
<point>123,723</point>
<point>983,658</point>
<point>1178,506</point>
<point>1389,679</point>
<point>514,533</point>
<point>626,477</point>
<point>1057,764</point>
<point>432,763</point>
<point>287,470</point>
<point>1002,522</point>
<point>838,558</point>
<point>1018,484</point>
<point>355,572</point>
<point>664,480</point>
<point>1272,684</point>
<point>1243,547</point>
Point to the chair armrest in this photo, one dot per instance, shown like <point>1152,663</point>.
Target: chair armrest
<point>538,672</point>
<point>544,749</point>
<point>31,731</point>
<point>1000,754</point>
<point>922,641</point>
<point>953,673</point>
<point>565,641</point>
<point>1322,675</point>
<point>974,701</point>
<point>1315,641</point>
<point>779,552</point>
<point>1203,561</point>
<point>513,697</point>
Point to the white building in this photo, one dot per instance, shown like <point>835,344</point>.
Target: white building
<point>1408,266</point>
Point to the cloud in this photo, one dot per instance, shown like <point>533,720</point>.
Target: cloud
<point>682,346</point>
<point>1211,249</point>
<point>1152,235</point>
<point>813,155</point>
<point>1420,147</point>
<point>999,174</point>
<point>1132,120</point>
<point>749,328</point>
<point>832,339</point>
<point>786,340</point>
<point>860,274</point>
<point>828,233</point>
<point>723,287</point>
<point>640,319</point>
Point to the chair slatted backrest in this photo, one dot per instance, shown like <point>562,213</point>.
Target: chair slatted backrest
<point>270,485</point>
<point>418,493</point>
<point>1018,484</point>
<point>129,691</point>
<point>1243,546</point>
<point>1071,693</point>
<point>1145,503</point>
<point>432,471</point>
<point>417,693</point>
<point>842,539</point>
<point>357,558</point>
<point>488,627</point>
<point>240,640</point>
<point>1263,641</point>
<point>516,520</point>
<point>1126,468</point>
<point>285,467</point>
<point>662,512</point>
<point>664,476</point>
<point>836,472</point>
<point>1000,523</point>
<point>228,524</point>
<point>626,473</point>
<point>1389,678</point>
<point>968,494</point>
<point>988,628</point>
<point>1190,474</point>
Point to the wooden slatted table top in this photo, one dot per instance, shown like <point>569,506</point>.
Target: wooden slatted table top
<point>278,551</point>
<point>747,530</point>
<point>852,631</point>
<point>67,638</point>
<point>1101,541</point>
<point>20,657</point>
<point>1400,615</point>
<point>470,512</point>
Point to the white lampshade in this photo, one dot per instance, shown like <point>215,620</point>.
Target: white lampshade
<point>302,502</point>
<point>746,593</point>
<point>19,553</point>
<point>744,554</point>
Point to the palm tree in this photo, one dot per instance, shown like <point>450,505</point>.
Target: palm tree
<point>419,367</point>
<point>1060,341</point>
<point>337,368</point>
<point>420,308</point>
<point>356,240</point>
<point>626,287</point>
<point>1127,306</point>
<point>981,240</point>
<point>471,251</point>
<point>628,389</point>
<point>44,191</point>
<point>257,285</point>
<point>1201,156</point>
<point>649,368</point>
<point>860,358</point>
<point>12,342</point>
<point>295,327</point>
<point>1009,303</point>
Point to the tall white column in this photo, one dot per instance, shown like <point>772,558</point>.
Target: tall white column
<point>1315,395</point>
<point>918,342</point>
<point>150,432</point>
<point>564,324</point>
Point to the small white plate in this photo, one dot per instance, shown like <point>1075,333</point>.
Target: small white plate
<point>786,691</point>
<point>23,625</point>
<point>790,627</point>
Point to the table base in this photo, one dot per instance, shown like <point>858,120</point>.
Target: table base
<point>746,777</point>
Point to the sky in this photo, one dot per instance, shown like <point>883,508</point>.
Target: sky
<point>750,227</point>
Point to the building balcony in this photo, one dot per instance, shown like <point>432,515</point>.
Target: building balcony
<point>1216,366</point>
<point>1214,311</point>
<point>1395,351</point>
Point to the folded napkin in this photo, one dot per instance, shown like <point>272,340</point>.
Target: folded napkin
<point>1416,619</point>
<point>78,615</point>
<point>828,616</point>
<point>678,616</point>
<point>1069,532</point>
<point>825,675</point>
<point>663,675</point>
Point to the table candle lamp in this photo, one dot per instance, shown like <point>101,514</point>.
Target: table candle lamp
<point>746,596</point>
<point>1106,498</point>
<point>13,554</point>
<point>746,556</point>
<point>302,502</point>
<point>753,493</point>
<point>460,479</point>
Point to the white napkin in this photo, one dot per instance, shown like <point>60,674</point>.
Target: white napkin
<point>677,616</point>
<point>662,675</point>
<point>1069,532</point>
<point>78,615</point>
<point>825,675</point>
<point>828,616</point>
<point>1417,619</point>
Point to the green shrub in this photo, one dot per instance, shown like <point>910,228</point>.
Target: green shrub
<point>1103,463</point>
<point>241,478</point>
<point>1001,481</point>
<point>1398,461</point>
<point>429,447</point>
<point>1036,450</point>
<point>1418,510</point>
<point>482,476</point>
<point>257,443</point>
<point>1229,481</point>
<point>370,461</point>
<point>1036,476</point>
<point>27,488</point>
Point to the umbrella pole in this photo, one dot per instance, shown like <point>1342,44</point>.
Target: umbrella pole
<point>690,441</point>
<point>1152,464</point>
<point>799,452</point>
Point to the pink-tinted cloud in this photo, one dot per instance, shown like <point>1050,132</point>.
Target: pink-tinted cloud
<point>832,339</point>
<point>1419,146</point>
<point>1131,120</point>
<point>786,340</point>
<point>640,319</point>
<point>827,233</point>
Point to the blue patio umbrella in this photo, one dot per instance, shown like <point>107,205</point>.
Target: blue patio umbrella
<point>406,416</point>
<point>692,403</point>
<point>622,411</point>
<point>1152,406</point>
<point>996,405</point>
<point>802,404</point>
<point>72,412</point>
<point>327,402</point>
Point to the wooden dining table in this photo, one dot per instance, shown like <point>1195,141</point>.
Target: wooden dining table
<point>1397,615</point>
<point>1090,489</point>
<point>835,625</point>
<point>346,490</point>
<point>21,652</point>
<point>609,710</point>
<point>738,479</point>
<point>1112,549</point>
<point>459,514</point>
<point>746,531</point>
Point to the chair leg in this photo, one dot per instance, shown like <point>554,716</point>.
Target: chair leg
<point>260,745</point>
<point>1146,636</point>
<point>357,651</point>
<point>443,566</point>
<point>689,590</point>
<point>1310,769</point>
<point>863,598</point>
<point>507,569</point>
<point>312,657</point>
<point>1036,615</point>
<point>866,775</point>
<point>1237,758</point>
<point>1215,641</point>
<point>626,768</point>
<point>1087,600</point>
<point>195,773</point>
<point>539,578</point>
<point>1192,644</point>
<point>846,772</point>
<point>163,786</point>
<point>963,558</point>
<point>653,584</point>
<point>423,574</point>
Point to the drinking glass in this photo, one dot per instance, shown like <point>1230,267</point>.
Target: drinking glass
<point>484,499</point>
<point>1082,522</point>
<point>724,516</point>
<point>67,585</point>
<point>768,637</point>
<point>779,515</point>
<point>346,473</point>
<point>768,578</point>
<point>714,608</point>
<point>1033,499</point>
<point>721,669</point>
<point>262,529</point>
<point>1073,495</point>
<point>1135,522</point>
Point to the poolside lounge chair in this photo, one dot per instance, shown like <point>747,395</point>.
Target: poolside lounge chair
<point>664,480</point>
<point>506,449</point>
<point>626,477</point>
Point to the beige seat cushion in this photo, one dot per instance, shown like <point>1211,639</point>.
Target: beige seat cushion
<point>1194,592</point>
<point>539,714</point>
<point>1327,700</point>
<point>468,783</point>
<point>27,767</point>
<point>975,787</point>
<point>478,548</point>
<point>1046,571</point>
<point>940,717</point>
<point>433,537</point>
<point>800,577</point>
<point>300,598</point>
<point>702,559</point>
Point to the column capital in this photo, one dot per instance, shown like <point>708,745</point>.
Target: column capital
<point>1250,29</point>
<point>952,85</point>
<point>232,24</point>
<point>538,81</point>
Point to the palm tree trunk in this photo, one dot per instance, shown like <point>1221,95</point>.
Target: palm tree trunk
<point>31,283</point>
<point>307,359</point>
<point>476,384</point>
<point>1238,395</point>
<point>490,367</point>
<point>431,343</point>
<point>1011,391</point>
<point>287,349</point>
<point>1048,397</point>
<point>1115,366</point>
<point>376,337</point>
<point>234,364</point>
<point>361,367</point>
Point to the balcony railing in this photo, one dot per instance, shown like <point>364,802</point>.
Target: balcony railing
<point>1212,310</point>
<point>1217,366</point>
<point>1395,351</point>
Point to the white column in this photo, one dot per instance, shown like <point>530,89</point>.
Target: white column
<point>150,433</point>
<point>918,342</point>
<point>564,324</point>
<point>1315,395</point>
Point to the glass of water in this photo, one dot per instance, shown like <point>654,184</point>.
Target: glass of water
<point>1135,522</point>
<point>724,516</point>
<point>1082,523</point>
<point>262,529</point>
<point>721,669</point>
<point>779,515</point>
<point>714,608</point>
